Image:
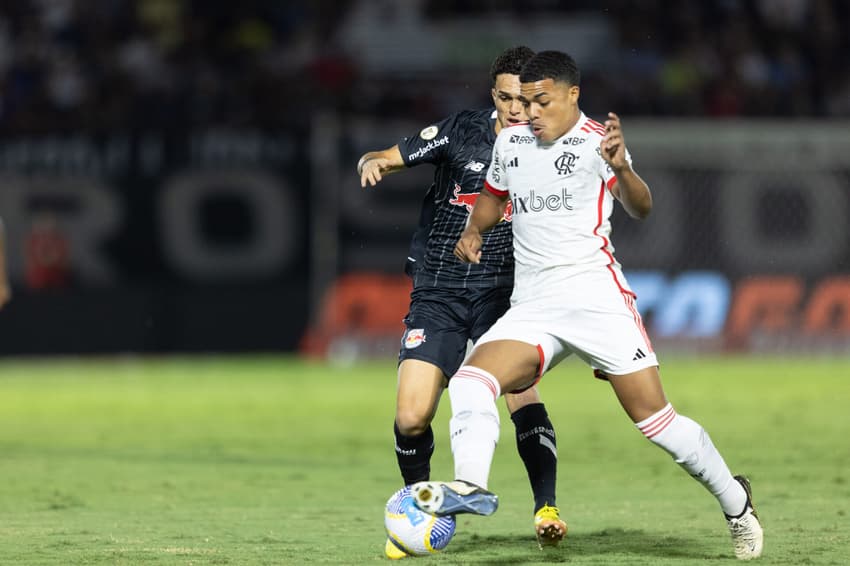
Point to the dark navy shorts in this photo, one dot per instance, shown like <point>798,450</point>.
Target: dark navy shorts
<point>441,321</point>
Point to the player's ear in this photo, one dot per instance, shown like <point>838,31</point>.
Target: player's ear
<point>493,95</point>
<point>574,93</point>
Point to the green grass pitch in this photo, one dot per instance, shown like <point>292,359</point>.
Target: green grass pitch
<point>270,460</point>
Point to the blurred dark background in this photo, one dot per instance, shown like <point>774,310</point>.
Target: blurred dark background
<point>95,66</point>
<point>178,175</point>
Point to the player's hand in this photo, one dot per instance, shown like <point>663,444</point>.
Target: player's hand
<point>468,247</point>
<point>371,170</point>
<point>613,145</point>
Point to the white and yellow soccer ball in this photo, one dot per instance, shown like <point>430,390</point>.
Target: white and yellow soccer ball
<point>414,531</point>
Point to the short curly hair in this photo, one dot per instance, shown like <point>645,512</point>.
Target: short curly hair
<point>555,65</point>
<point>510,61</point>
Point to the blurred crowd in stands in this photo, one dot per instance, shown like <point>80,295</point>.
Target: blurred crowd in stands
<point>96,65</point>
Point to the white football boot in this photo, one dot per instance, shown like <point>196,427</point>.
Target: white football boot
<point>746,531</point>
<point>451,498</point>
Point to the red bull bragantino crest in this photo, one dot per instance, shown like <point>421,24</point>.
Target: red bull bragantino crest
<point>414,337</point>
<point>468,200</point>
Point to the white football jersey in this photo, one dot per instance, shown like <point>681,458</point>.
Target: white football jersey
<point>561,199</point>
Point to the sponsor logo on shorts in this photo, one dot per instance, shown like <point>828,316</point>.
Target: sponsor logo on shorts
<point>414,338</point>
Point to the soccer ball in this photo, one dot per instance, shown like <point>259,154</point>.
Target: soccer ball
<point>414,531</point>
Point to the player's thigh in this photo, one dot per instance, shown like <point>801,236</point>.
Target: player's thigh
<point>514,363</point>
<point>640,392</point>
<point>486,307</point>
<point>519,348</point>
<point>611,339</point>
<point>436,329</point>
<point>603,327</point>
<point>420,385</point>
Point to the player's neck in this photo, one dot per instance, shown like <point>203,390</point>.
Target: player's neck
<point>571,124</point>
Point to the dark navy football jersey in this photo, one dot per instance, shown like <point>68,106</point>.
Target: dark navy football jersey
<point>461,147</point>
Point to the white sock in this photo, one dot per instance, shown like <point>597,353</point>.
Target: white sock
<point>691,447</point>
<point>475,423</point>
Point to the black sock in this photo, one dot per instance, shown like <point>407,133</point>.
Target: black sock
<point>535,440</point>
<point>414,455</point>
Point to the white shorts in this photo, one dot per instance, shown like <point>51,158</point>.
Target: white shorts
<point>591,314</point>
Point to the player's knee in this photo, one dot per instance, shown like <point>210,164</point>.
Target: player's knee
<point>412,421</point>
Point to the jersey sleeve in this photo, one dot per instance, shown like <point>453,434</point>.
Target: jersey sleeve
<point>431,144</point>
<point>605,171</point>
<point>496,182</point>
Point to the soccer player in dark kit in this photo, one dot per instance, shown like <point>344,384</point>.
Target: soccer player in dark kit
<point>454,302</point>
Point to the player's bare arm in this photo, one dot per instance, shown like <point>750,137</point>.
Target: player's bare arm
<point>486,213</point>
<point>632,192</point>
<point>375,164</point>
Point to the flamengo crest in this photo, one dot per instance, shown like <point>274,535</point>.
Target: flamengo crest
<point>565,163</point>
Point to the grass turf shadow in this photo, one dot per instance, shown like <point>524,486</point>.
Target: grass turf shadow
<point>520,549</point>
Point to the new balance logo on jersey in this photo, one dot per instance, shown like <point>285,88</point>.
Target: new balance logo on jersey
<point>474,166</point>
<point>565,163</point>
<point>639,355</point>
<point>537,203</point>
<point>512,163</point>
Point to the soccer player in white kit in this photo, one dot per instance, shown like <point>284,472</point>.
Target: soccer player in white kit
<point>563,172</point>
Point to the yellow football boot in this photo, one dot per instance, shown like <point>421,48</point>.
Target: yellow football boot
<point>393,552</point>
<point>549,527</point>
